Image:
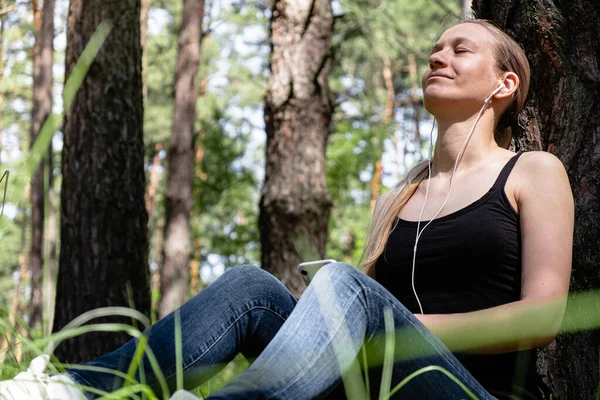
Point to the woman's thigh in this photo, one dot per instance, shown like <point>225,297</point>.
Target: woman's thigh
<point>320,341</point>
<point>423,367</point>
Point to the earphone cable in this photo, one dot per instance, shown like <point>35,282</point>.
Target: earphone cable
<point>429,161</point>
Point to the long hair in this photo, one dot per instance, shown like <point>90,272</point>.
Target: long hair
<point>509,57</point>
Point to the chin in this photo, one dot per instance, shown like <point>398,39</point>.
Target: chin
<point>434,104</point>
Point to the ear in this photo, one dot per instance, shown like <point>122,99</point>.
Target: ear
<point>511,84</point>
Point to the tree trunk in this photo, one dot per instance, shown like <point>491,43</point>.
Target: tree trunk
<point>41,109</point>
<point>143,39</point>
<point>195,282</point>
<point>388,119</point>
<point>51,241</point>
<point>104,223</point>
<point>466,8</point>
<point>376,180</point>
<point>562,116</point>
<point>37,20</point>
<point>349,248</point>
<point>154,177</point>
<point>155,280</point>
<point>388,79</point>
<point>415,99</point>
<point>178,205</point>
<point>298,109</point>
<point>195,268</point>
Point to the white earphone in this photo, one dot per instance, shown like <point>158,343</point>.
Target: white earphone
<point>499,88</point>
<point>460,153</point>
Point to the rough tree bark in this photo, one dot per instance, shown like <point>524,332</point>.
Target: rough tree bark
<point>562,116</point>
<point>298,109</point>
<point>180,158</point>
<point>41,109</point>
<point>144,12</point>
<point>104,223</point>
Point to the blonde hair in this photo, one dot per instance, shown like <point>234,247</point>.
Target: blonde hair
<point>509,57</point>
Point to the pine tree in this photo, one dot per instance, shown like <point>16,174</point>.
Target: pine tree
<point>42,107</point>
<point>178,207</point>
<point>298,109</point>
<point>104,244</point>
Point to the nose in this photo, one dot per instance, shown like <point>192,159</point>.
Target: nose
<point>437,60</point>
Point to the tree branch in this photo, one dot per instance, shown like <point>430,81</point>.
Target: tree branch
<point>8,9</point>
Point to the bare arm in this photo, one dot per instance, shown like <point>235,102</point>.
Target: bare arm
<point>546,211</point>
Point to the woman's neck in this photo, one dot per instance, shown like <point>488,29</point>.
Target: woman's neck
<point>451,137</point>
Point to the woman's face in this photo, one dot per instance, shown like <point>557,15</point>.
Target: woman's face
<point>462,69</point>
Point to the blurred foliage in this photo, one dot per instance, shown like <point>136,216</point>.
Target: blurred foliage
<point>232,80</point>
<point>16,92</point>
<point>368,35</point>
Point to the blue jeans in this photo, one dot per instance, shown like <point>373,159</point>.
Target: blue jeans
<point>302,349</point>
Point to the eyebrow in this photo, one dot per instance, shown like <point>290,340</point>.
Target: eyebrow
<point>456,40</point>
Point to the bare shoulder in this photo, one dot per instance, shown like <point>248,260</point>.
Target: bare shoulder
<point>539,173</point>
<point>535,163</point>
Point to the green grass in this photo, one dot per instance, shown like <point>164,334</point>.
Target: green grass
<point>135,388</point>
<point>132,388</point>
<point>577,318</point>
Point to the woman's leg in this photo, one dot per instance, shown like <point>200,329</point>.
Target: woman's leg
<point>341,308</point>
<point>240,312</point>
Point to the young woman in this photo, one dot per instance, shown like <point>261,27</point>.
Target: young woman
<point>464,254</point>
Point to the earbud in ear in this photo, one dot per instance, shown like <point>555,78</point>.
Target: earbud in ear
<point>499,88</point>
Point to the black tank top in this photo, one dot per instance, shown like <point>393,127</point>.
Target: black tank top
<point>467,260</point>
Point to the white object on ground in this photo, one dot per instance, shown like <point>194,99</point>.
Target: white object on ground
<point>183,395</point>
<point>35,384</point>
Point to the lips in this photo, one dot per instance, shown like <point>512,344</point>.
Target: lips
<point>438,75</point>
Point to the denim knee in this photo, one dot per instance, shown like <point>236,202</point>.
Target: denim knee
<point>248,273</point>
<point>251,282</point>
<point>245,270</point>
<point>340,271</point>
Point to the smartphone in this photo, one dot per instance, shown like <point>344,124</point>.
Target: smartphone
<point>307,270</point>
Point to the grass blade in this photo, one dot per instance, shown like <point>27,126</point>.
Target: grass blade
<point>178,350</point>
<point>366,374</point>
<point>6,174</point>
<point>429,369</point>
<point>388,358</point>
